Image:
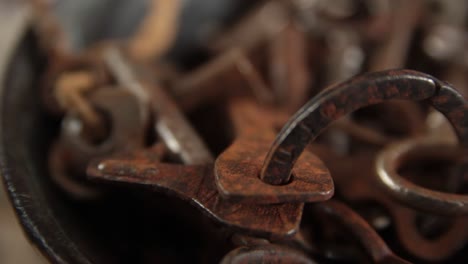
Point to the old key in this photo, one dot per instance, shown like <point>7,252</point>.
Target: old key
<point>357,183</point>
<point>193,182</point>
<point>125,128</point>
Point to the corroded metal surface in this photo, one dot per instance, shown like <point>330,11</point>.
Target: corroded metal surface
<point>364,187</point>
<point>336,101</point>
<point>195,183</point>
<point>190,148</point>
<point>237,169</point>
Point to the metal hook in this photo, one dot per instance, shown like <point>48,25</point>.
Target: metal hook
<point>346,97</point>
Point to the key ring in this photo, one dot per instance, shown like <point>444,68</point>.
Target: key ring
<point>329,105</point>
<point>394,156</point>
<point>346,97</point>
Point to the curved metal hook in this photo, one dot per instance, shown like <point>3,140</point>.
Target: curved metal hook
<point>346,97</point>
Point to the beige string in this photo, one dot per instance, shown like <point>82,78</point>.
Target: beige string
<point>157,31</point>
<point>69,91</point>
<point>153,38</point>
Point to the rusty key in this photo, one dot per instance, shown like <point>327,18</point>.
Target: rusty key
<point>196,184</point>
<point>171,125</point>
<point>193,181</point>
<point>357,182</point>
<point>124,128</point>
<point>233,68</point>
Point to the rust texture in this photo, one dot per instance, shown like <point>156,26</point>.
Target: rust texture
<point>336,101</point>
<point>171,125</point>
<point>237,169</point>
<point>280,132</point>
<point>195,183</point>
<point>364,187</point>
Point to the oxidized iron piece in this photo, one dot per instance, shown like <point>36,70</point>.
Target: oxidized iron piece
<point>232,67</point>
<point>238,167</point>
<point>120,122</point>
<point>195,180</point>
<point>171,125</point>
<point>359,228</point>
<point>124,124</point>
<point>288,71</point>
<point>362,188</point>
<point>346,97</point>
<point>195,183</point>
<point>394,156</point>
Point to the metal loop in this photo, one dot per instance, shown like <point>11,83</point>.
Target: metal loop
<point>393,157</point>
<point>369,89</point>
<point>346,97</point>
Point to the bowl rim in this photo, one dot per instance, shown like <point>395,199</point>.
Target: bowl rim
<point>40,227</point>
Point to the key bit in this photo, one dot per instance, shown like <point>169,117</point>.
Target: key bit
<point>192,181</point>
<point>195,184</point>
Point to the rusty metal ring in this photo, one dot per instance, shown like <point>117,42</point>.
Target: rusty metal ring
<point>393,157</point>
<point>127,120</point>
<point>340,99</point>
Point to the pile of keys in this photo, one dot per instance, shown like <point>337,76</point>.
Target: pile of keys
<point>310,131</point>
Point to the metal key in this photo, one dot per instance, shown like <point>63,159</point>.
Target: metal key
<point>357,182</point>
<point>126,129</point>
<point>193,181</point>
